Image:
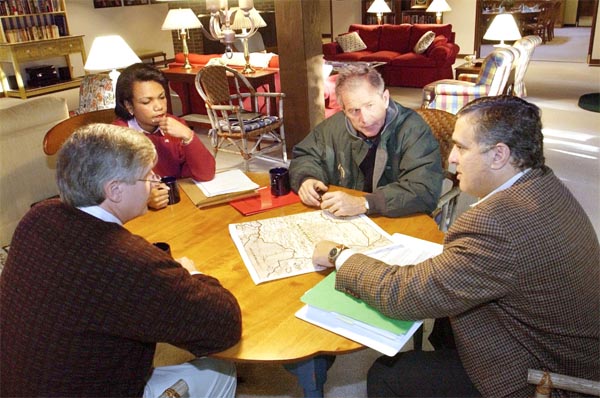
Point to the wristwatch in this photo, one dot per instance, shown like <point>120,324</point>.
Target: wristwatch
<point>335,253</point>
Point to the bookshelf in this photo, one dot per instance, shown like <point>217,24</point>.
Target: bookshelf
<point>417,16</point>
<point>33,30</point>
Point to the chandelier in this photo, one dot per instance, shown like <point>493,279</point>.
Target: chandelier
<point>221,21</point>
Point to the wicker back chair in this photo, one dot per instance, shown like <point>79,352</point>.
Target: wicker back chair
<point>242,120</point>
<point>442,125</point>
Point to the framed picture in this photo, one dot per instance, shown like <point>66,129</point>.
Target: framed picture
<point>419,3</point>
<point>136,2</point>
<point>107,3</point>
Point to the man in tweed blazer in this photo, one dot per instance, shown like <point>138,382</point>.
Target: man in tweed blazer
<point>518,276</point>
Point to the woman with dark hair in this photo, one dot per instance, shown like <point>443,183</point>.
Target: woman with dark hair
<point>142,105</point>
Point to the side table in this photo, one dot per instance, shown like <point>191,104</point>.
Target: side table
<point>467,68</point>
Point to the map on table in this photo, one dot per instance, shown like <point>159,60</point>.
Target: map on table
<point>280,247</point>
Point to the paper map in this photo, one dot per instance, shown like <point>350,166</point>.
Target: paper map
<point>280,247</point>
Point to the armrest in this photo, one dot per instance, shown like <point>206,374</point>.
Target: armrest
<point>468,77</point>
<point>444,53</point>
<point>330,49</point>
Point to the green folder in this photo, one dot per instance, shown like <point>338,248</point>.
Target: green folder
<point>324,296</point>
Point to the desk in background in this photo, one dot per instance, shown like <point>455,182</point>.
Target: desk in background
<point>270,330</point>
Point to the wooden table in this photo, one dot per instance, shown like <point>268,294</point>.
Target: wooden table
<point>179,74</point>
<point>270,330</point>
<point>473,68</point>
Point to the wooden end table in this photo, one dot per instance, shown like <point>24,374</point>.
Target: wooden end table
<point>473,68</point>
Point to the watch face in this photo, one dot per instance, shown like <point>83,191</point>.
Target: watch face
<point>333,252</point>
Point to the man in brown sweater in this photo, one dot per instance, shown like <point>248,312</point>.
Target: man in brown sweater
<point>84,302</point>
<point>518,276</point>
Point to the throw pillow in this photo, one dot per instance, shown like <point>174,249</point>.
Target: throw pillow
<point>424,42</point>
<point>351,42</point>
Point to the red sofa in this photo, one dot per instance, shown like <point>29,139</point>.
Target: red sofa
<point>394,44</point>
<point>331,105</point>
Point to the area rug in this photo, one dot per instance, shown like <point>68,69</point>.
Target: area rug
<point>590,102</point>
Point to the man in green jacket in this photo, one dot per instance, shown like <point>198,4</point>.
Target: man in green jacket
<point>376,146</point>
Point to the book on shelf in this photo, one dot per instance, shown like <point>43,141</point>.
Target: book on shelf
<point>352,318</point>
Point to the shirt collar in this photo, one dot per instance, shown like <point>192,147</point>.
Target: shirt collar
<point>133,123</point>
<point>100,213</point>
<point>502,187</point>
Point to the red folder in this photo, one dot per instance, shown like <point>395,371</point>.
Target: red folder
<point>264,201</point>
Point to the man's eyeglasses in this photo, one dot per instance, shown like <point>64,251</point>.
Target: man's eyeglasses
<point>154,178</point>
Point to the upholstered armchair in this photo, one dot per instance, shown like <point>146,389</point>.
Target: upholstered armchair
<point>526,45</point>
<point>451,95</point>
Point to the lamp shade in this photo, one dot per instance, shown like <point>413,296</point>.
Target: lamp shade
<point>110,52</point>
<point>438,6</point>
<point>379,6</point>
<point>503,27</point>
<point>181,18</point>
<point>241,22</point>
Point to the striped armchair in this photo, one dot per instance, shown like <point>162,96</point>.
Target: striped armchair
<point>526,45</point>
<point>451,95</point>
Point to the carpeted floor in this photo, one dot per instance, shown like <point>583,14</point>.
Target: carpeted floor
<point>590,102</point>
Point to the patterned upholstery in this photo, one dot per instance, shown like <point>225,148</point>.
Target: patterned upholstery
<point>451,95</point>
<point>224,91</point>
<point>526,46</point>
<point>95,93</point>
<point>442,126</point>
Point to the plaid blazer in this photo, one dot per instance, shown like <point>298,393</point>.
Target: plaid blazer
<point>518,278</point>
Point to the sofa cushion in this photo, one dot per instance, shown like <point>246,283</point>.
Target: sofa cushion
<point>424,42</point>
<point>439,40</point>
<point>412,59</point>
<point>354,56</point>
<point>351,42</point>
<point>395,38</point>
<point>419,30</point>
<point>383,56</point>
<point>369,35</point>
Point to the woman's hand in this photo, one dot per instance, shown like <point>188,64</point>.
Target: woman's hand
<point>159,197</point>
<point>175,128</point>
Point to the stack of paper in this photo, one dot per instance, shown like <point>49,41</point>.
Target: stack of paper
<point>227,182</point>
<point>352,318</point>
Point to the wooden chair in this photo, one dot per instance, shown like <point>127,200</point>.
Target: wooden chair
<point>545,382</point>
<point>242,120</point>
<point>451,95</point>
<point>442,125</point>
<point>177,390</point>
<point>58,134</point>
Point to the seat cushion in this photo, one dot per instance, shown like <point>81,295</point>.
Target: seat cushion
<point>250,125</point>
<point>384,56</point>
<point>413,60</point>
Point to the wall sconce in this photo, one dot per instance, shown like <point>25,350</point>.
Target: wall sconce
<point>438,6</point>
<point>503,27</point>
<point>182,19</point>
<point>221,21</point>
<point>242,23</point>
<point>110,53</point>
<point>379,7</point>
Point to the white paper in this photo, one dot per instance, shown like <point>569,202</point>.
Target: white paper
<point>385,342</point>
<point>227,182</point>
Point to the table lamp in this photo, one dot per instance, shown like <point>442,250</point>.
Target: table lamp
<point>438,6</point>
<point>503,27</point>
<point>182,19</point>
<point>244,24</point>
<point>110,53</point>
<point>379,7</point>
